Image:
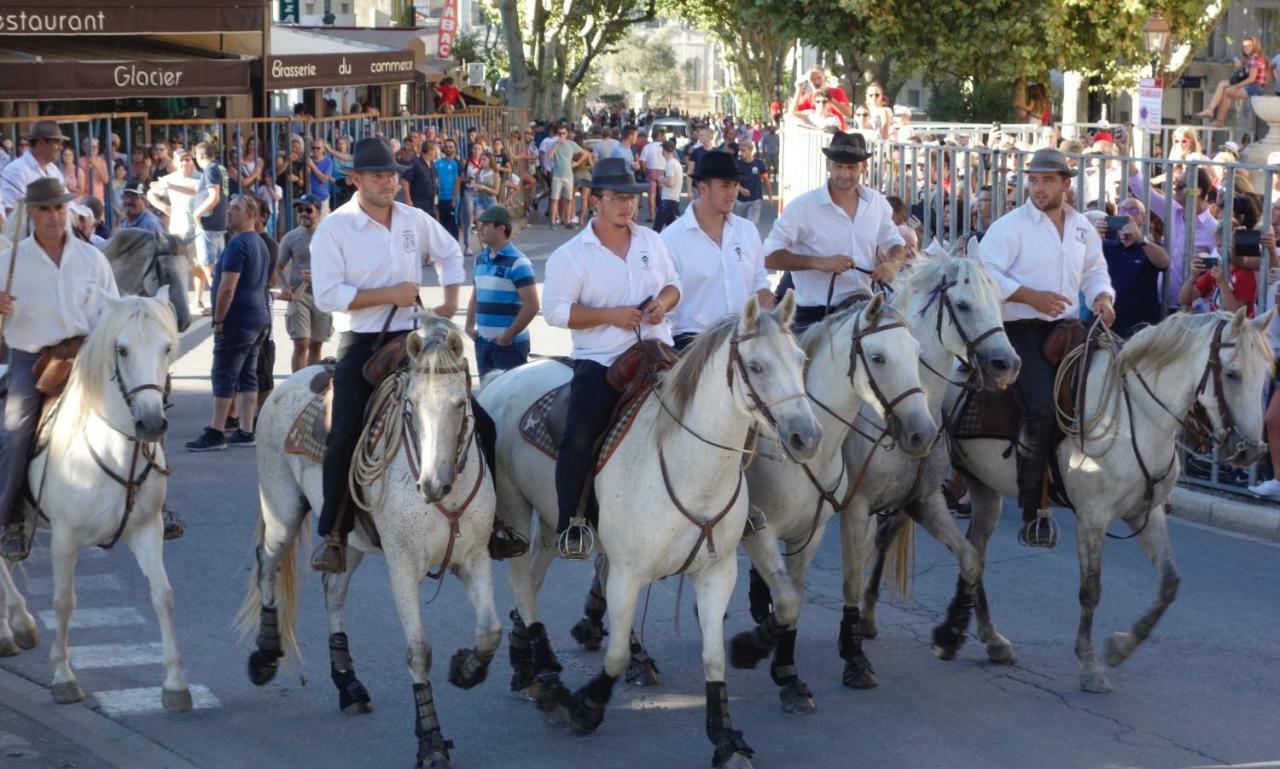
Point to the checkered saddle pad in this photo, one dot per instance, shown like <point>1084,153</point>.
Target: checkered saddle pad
<point>543,424</point>
<point>990,414</point>
<point>307,435</point>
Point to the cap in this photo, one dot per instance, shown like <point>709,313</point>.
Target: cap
<point>495,214</point>
<point>306,200</point>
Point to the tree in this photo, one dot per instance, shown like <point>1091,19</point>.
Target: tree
<point>752,42</point>
<point>647,66</point>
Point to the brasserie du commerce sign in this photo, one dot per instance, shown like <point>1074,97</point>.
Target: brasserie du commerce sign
<point>321,70</point>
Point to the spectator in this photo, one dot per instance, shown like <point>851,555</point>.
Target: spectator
<point>140,165</point>
<point>820,112</point>
<point>71,172</point>
<point>93,168</point>
<point>252,166</point>
<point>818,82</point>
<point>671,184</point>
<point>693,154</point>
<point>488,183</point>
<point>1251,82</point>
<point>240,319</point>
<point>581,205</point>
<point>505,299</point>
<point>163,160</point>
<point>119,176</point>
<point>174,194</point>
<point>911,241</point>
<point>267,350</point>
<point>308,328</point>
<point>321,167</point>
<point>1134,265</point>
<point>753,176</point>
<point>877,104</point>
<point>133,206</point>
<point>210,212</point>
<point>1205,224</point>
<point>448,97</point>
<point>1270,488</point>
<point>466,207</point>
<point>1237,285</point>
<point>1184,143</point>
<point>341,153</point>
<point>449,186</point>
<point>418,182</point>
<point>652,163</point>
<point>564,154</point>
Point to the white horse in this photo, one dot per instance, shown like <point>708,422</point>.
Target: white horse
<point>101,478</point>
<point>864,355</point>
<point>146,264</point>
<point>433,508</point>
<point>1125,466</point>
<point>671,499</point>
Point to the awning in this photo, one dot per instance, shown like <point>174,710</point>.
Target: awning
<point>129,17</point>
<point>416,40</point>
<point>301,58</point>
<point>114,68</point>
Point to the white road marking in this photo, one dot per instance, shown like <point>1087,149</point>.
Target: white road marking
<point>92,618</point>
<point>84,583</point>
<point>132,702</point>
<point>116,655</point>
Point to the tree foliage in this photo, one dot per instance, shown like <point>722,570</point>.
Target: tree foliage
<point>648,66</point>
<point>752,42</point>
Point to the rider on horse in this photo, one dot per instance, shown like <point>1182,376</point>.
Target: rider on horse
<point>366,268</point>
<point>611,281</point>
<point>828,237</point>
<point>1043,255</point>
<point>717,254</point>
<point>78,277</point>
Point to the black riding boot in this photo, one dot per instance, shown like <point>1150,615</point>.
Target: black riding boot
<point>1038,527</point>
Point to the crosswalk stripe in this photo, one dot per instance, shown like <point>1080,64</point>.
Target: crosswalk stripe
<point>131,702</point>
<point>116,655</point>
<point>84,583</point>
<point>95,618</point>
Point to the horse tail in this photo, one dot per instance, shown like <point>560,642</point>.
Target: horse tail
<point>900,557</point>
<point>247,618</point>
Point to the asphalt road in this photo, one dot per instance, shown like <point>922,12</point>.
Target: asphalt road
<point>1202,692</point>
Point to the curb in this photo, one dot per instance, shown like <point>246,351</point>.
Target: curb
<point>1258,519</point>
<point>109,741</point>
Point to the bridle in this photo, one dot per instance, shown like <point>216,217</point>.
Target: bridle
<point>941,294</point>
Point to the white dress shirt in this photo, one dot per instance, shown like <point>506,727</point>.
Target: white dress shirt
<point>583,271</point>
<point>52,302</point>
<point>813,225</point>
<point>18,174</point>
<point>350,251</point>
<point>1023,248</point>
<point>715,280</point>
<point>181,204</point>
<point>651,156</point>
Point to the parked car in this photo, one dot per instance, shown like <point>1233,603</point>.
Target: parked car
<point>673,126</point>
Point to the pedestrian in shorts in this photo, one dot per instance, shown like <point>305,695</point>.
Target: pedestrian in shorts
<point>505,298</point>
<point>308,328</point>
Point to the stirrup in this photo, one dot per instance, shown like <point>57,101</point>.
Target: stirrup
<point>15,546</point>
<point>576,548</point>
<point>174,527</point>
<point>1041,531</point>
<point>756,522</point>
<point>331,557</point>
<point>505,542</point>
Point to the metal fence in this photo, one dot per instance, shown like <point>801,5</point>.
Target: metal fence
<point>957,191</point>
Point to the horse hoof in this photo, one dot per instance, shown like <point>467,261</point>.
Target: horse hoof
<point>744,652</point>
<point>946,642</point>
<point>466,669</point>
<point>553,701</point>
<point>1118,647</point>
<point>176,702</point>
<point>586,716</point>
<point>868,627</point>
<point>642,672</point>
<point>358,708</point>
<point>67,693</point>
<point>263,666</point>
<point>1096,682</point>
<point>26,633</point>
<point>1001,653</point>
<point>8,648</point>
<point>735,761</point>
<point>858,674</point>
<point>436,759</point>
<point>796,698</point>
<point>588,634</point>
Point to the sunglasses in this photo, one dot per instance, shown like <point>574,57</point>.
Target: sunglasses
<point>862,113</point>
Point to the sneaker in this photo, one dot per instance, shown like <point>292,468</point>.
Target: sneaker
<point>233,424</point>
<point>574,220</point>
<point>210,440</point>
<point>1269,489</point>
<point>241,438</point>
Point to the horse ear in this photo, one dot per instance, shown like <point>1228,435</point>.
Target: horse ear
<point>456,345</point>
<point>1238,320</point>
<point>750,314</point>
<point>971,250</point>
<point>785,312</point>
<point>1263,321</point>
<point>413,344</point>
<point>872,312</point>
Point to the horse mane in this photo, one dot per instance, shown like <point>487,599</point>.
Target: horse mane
<point>1162,344</point>
<point>821,331</point>
<point>682,382</point>
<point>928,273</point>
<point>436,355</point>
<point>95,365</point>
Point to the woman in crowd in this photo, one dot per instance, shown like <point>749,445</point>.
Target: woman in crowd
<point>1254,78</point>
<point>488,183</point>
<point>93,167</point>
<point>71,172</point>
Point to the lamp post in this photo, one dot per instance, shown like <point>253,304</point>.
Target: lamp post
<point>1155,37</point>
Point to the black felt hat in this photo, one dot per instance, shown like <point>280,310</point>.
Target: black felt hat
<point>374,154</point>
<point>613,174</point>
<point>716,164</point>
<point>847,148</point>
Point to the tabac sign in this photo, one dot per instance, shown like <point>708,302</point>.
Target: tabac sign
<point>320,70</point>
<point>129,17</point>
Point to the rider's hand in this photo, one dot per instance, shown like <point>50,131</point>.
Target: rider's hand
<point>626,318</point>
<point>836,264</point>
<point>6,304</point>
<point>1050,303</point>
<point>1103,309</point>
<point>404,294</point>
<point>654,312</point>
<point>884,272</point>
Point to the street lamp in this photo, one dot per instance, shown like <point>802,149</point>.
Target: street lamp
<point>1155,35</point>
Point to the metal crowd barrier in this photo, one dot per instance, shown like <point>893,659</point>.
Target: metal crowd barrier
<point>1209,137</point>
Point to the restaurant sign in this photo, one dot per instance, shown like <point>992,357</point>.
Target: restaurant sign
<point>129,17</point>
<point>48,80</point>
<point>320,70</point>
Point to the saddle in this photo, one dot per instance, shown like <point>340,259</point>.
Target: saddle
<point>53,367</point>
<point>310,429</point>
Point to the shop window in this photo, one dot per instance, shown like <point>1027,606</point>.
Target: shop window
<point>309,9</point>
<point>345,8</point>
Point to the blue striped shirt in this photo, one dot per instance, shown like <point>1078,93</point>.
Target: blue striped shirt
<point>498,280</point>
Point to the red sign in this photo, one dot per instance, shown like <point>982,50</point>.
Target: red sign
<point>448,28</point>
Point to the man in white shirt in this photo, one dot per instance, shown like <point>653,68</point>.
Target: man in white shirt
<point>652,163</point>
<point>828,237</point>
<point>717,254</point>
<point>1043,255</point>
<point>366,269</point>
<point>612,278</point>
<point>44,145</point>
<point>669,188</point>
<point>175,195</point>
<point>57,293</point>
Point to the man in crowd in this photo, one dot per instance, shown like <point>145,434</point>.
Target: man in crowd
<point>505,299</point>
<point>320,164</point>
<point>702,144</point>
<point>44,145</point>
<point>366,267</point>
<point>611,279</point>
<point>669,187</point>
<point>58,292</point>
<point>1043,255</point>
<point>419,182</point>
<point>1205,224</point>
<point>308,328</point>
<point>448,186</point>
<point>717,254</point>
<point>653,164</point>
<point>753,175</point>
<point>136,214</point>
<point>565,153</point>
<point>240,318</point>
<point>174,194</point>
<point>1134,264</point>
<point>210,212</point>
<point>829,237</point>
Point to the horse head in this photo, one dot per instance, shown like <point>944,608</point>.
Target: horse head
<point>175,271</point>
<point>1232,395</point>
<point>132,345</point>
<point>969,309</point>
<point>143,262</point>
<point>438,405</point>
<point>766,375</point>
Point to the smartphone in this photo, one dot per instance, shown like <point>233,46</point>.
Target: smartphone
<point>1247,243</point>
<point>1208,261</point>
<point>1114,225</point>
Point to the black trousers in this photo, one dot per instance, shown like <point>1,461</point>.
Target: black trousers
<point>351,394</point>
<point>1035,389</point>
<point>447,217</point>
<point>681,341</point>
<point>591,403</point>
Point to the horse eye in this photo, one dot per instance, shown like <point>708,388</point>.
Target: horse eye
<point>962,306</point>
<point>756,368</point>
<point>1233,375</point>
<point>123,352</point>
<point>877,358</point>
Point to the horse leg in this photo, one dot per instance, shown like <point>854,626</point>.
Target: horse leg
<point>282,511</point>
<point>886,531</point>
<point>471,666</point>
<point>795,693</point>
<point>590,632</point>
<point>858,672</point>
<point>18,629</point>
<point>588,703</point>
<point>985,504</point>
<point>8,648</point>
<point>353,698</point>
<point>147,545</point>
<point>930,511</point>
<point>1090,531</point>
<point>406,574</point>
<point>1153,536</point>
<point>520,579</point>
<point>63,551</point>
<point>775,603</point>
<point>714,586</point>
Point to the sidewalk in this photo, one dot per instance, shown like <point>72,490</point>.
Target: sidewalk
<point>1250,516</point>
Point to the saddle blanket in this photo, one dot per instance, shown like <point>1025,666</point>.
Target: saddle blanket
<point>307,434</point>
<point>537,428</point>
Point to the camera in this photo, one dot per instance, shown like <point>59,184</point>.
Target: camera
<point>1114,225</point>
<point>1209,261</point>
<point>1247,243</point>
